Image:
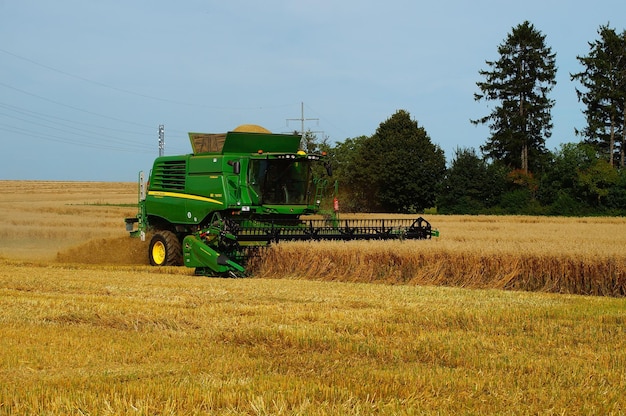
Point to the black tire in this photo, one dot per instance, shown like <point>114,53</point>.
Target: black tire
<point>165,250</point>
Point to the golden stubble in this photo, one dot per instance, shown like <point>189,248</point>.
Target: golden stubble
<point>119,340</point>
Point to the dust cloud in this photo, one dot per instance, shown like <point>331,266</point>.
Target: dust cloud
<point>116,251</point>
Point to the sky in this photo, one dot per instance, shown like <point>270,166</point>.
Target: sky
<point>85,84</point>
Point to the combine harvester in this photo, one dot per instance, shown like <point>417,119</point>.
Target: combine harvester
<point>237,193</point>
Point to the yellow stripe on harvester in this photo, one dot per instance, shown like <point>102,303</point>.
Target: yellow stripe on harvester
<point>185,196</point>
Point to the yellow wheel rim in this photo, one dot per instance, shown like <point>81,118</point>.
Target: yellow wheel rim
<point>158,252</point>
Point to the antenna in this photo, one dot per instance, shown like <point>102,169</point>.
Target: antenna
<point>161,140</point>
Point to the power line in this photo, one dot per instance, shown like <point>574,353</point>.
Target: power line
<point>70,106</point>
<point>68,129</point>
<point>100,84</point>
<point>58,139</point>
<point>36,114</point>
<point>41,118</point>
<point>125,91</point>
<point>137,146</point>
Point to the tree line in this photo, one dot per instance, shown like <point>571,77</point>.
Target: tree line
<point>400,169</point>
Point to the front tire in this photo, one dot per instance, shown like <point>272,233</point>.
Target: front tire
<point>165,250</point>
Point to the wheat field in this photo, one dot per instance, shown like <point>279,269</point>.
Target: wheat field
<point>81,222</point>
<point>414,327</point>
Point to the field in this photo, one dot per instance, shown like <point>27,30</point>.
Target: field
<point>493,317</point>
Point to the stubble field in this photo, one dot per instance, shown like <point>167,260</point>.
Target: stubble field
<point>488,318</point>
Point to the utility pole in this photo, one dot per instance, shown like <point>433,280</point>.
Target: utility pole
<point>305,142</point>
<point>302,120</point>
<point>161,140</point>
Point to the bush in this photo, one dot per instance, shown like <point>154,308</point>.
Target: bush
<point>565,205</point>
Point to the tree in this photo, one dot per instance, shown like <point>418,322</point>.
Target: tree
<point>578,173</point>
<point>398,168</point>
<point>604,94</point>
<point>471,186</point>
<point>310,143</point>
<point>596,181</point>
<point>562,175</point>
<point>520,80</point>
<point>343,159</point>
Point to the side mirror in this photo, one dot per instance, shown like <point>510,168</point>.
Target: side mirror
<point>236,166</point>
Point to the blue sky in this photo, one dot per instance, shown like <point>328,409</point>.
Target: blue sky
<point>85,84</point>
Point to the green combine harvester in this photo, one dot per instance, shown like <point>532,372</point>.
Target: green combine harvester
<point>237,193</point>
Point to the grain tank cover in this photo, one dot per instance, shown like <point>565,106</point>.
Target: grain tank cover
<point>243,142</point>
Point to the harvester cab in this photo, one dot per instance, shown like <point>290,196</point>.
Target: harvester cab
<point>239,192</point>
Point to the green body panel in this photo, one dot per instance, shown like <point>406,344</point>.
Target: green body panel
<point>252,173</point>
<point>196,253</point>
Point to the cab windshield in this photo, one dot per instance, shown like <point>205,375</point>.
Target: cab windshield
<point>280,181</point>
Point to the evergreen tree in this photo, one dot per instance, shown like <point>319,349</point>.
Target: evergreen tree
<point>398,168</point>
<point>604,94</point>
<point>520,80</point>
